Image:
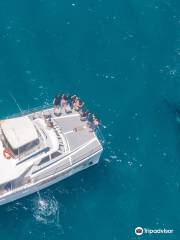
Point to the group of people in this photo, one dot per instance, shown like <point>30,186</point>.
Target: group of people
<point>66,100</point>
<point>69,103</point>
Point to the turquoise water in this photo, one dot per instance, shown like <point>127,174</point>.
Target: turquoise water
<point>122,57</point>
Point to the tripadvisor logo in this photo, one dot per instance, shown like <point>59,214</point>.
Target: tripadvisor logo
<point>139,231</point>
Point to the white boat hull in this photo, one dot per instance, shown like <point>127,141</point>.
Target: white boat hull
<point>32,188</point>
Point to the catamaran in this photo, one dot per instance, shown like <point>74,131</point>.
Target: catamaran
<point>40,147</point>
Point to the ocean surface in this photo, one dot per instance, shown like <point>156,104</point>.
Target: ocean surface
<point>122,57</point>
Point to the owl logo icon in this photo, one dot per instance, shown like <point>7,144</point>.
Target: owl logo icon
<point>139,231</point>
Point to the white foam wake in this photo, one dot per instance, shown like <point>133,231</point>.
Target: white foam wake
<point>46,209</point>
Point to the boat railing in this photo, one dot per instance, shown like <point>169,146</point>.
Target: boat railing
<point>27,182</point>
<point>33,110</point>
<point>5,191</point>
<point>49,106</point>
<point>86,155</point>
<point>74,161</point>
<point>100,136</point>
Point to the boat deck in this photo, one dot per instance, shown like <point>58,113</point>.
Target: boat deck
<point>79,148</point>
<point>78,134</point>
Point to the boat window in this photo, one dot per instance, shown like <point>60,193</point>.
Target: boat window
<point>55,154</point>
<point>8,186</point>
<point>22,149</point>
<point>44,160</point>
<point>28,146</point>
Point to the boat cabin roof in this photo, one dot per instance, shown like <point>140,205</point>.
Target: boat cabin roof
<point>19,131</point>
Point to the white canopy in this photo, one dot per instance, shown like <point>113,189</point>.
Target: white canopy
<point>19,131</point>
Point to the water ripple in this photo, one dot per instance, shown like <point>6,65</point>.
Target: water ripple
<point>46,209</point>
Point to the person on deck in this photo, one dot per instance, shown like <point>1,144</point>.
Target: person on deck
<point>93,122</point>
<point>57,100</point>
<point>68,108</point>
<point>78,105</point>
<point>63,101</point>
<point>84,115</point>
<point>96,123</point>
<point>72,100</point>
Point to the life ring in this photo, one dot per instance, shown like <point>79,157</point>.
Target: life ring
<point>6,153</point>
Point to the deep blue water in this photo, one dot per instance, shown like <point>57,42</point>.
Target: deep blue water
<point>123,58</point>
